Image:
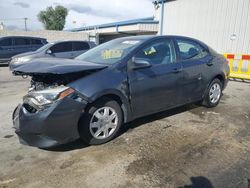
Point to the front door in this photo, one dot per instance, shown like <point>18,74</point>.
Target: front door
<point>157,87</point>
<point>6,49</point>
<point>62,50</point>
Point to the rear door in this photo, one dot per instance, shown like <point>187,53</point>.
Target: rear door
<point>79,48</point>
<point>6,49</point>
<point>194,59</point>
<point>157,87</point>
<point>35,44</point>
<point>62,50</point>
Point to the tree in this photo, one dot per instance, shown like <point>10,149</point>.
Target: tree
<point>53,18</point>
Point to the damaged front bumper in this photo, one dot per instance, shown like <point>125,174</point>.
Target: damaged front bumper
<point>57,124</point>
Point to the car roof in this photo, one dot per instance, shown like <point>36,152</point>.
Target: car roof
<point>157,36</point>
<point>148,37</point>
<point>59,41</point>
<point>1,37</point>
<point>139,37</point>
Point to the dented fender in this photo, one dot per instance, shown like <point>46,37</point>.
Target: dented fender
<point>117,85</point>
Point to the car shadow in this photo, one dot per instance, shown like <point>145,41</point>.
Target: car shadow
<point>79,144</point>
<point>157,116</point>
<point>240,80</point>
<point>199,182</point>
<point>4,65</point>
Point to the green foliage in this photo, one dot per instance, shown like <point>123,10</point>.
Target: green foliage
<point>53,18</point>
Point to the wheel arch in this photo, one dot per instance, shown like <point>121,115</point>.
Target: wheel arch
<point>119,98</point>
<point>221,77</point>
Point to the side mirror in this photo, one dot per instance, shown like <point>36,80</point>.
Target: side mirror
<point>139,63</point>
<point>49,52</point>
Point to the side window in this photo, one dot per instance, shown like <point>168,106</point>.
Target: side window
<point>6,42</point>
<point>36,41</point>
<point>159,52</point>
<point>190,50</point>
<point>78,46</point>
<point>21,41</point>
<point>61,47</point>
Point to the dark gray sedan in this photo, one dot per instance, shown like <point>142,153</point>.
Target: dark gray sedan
<point>92,96</point>
<point>59,49</point>
<point>13,45</point>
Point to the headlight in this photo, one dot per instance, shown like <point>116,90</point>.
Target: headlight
<point>20,59</point>
<point>40,99</point>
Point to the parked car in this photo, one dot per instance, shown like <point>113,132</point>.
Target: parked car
<point>92,96</point>
<point>13,45</point>
<point>60,49</point>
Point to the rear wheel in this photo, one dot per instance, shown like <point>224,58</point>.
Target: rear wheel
<point>213,94</point>
<point>101,122</point>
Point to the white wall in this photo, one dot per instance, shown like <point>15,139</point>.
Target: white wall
<point>50,35</point>
<point>212,21</point>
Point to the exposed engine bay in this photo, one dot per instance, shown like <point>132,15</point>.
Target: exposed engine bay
<point>51,72</point>
<point>45,81</point>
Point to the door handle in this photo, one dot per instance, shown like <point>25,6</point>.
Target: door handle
<point>177,70</point>
<point>210,63</point>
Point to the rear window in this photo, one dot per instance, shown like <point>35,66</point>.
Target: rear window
<point>78,46</point>
<point>21,41</point>
<point>6,42</point>
<point>190,50</point>
<point>61,47</point>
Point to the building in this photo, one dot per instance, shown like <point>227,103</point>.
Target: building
<point>105,32</point>
<point>222,24</point>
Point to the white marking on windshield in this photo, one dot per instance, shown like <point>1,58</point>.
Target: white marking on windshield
<point>132,42</point>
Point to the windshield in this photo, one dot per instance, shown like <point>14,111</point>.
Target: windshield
<point>110,52</point>
<point>45,47</point>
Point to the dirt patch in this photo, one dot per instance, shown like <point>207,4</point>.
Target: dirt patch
<point>8,136</point>
<point>67,164</point>
<point>200,112</point>
<point>19,158</point>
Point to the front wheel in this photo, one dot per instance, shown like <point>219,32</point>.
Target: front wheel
<point>101,122</point>
<point>213,94</point>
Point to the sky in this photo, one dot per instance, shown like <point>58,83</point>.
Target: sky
<point>81,12</point>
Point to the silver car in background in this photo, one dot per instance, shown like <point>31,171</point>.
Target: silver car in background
<point>60,49</point>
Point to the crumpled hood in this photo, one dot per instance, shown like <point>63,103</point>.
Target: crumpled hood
<point>55,66</point>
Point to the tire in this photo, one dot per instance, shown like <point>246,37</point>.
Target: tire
<point>213,94</point>
<point>98,118</point>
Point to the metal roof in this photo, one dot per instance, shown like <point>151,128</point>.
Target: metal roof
<point>164,1</point>
<point>148,20</point>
